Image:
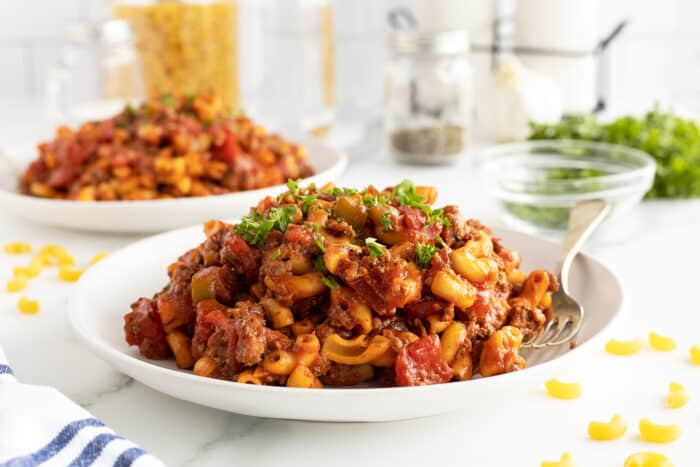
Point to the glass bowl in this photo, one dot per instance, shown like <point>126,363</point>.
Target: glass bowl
<point>537,182</point>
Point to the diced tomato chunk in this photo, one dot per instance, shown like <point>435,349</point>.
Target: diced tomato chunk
<point>421,363</point>
<point>143,328</point>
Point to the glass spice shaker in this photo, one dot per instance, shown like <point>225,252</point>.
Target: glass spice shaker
<point>429,102</point>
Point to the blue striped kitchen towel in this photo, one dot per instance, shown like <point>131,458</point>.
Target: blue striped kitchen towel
<point>41,426</point>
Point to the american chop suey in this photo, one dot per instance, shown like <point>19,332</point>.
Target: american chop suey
<point>338,287</point>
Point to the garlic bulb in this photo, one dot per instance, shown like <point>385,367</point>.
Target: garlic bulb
<point>516,96</point>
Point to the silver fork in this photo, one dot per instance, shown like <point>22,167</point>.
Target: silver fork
<point>584,217</point>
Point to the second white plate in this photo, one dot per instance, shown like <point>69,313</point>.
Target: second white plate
<point>106,290</point>
<point>159,215</point>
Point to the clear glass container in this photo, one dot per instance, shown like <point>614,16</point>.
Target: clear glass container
<point>97,72</point>
<point>288,63</point>
<point>536,183</point>
<point>186,46</point>
<point>429,101</point>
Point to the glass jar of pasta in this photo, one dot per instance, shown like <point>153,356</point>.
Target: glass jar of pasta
<point>429,97</point>
<point>186,46</point>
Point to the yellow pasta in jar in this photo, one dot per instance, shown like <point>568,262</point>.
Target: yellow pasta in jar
<point>566,460</point>
<point>630,347</point>
<point>648,459</point>
<point>662,343</point>
<point>654,433</point>
<point>69,273</point>
<point>16,284</point>
<point>17,248</point>
<point>563,390</point>
<point>678,396</point>
<point>606,431</point>
<point>695,354</point>
<point>27,306</point>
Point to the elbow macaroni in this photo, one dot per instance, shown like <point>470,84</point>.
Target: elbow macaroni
<point>678,396</point>
<point>648,459</point>
<point>654,433</point>
<point>617,347</point>
<point>662,343</point>
<point>606,431</point>
<point>357,351</point>
<point>450,287</point>
<point>566,460</point>
<point>695,354</point>
<point>562,390</point>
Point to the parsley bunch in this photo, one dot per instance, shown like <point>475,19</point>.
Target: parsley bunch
<point>674,143</point>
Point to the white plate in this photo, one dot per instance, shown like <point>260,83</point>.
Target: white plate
<point>106,290</point>
<point>159,215</point>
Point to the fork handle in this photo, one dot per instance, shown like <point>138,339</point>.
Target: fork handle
<point>584,217</point>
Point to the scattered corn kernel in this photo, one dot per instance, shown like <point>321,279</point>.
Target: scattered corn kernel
<point>648,459</point>
<point>695,354</point>
<point>631,347</point>
<point>27,306</point>
<point>53,250</point>
<point>69,273</point>
<point>678,396</point>
<point>17,248</point>
<point>98,257</point>
<point>65,260</point>
<point>606,431</point>
<point>654,433</point>
<point>566,460</point>
<point>17,284</point>
<point>30,272</point>
<point>562,390</point>
<point>662,343</point>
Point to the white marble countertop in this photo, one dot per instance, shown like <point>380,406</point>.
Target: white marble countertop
<point>655,257</point>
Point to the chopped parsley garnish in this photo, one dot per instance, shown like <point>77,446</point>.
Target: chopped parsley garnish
<point>440,241</point>
<point>319,265</point>
<point>306,201</point>
<point>254,227</point>
<point>129,110</point>
<point>385,220</point>
<point>424,253</point>
<point>319,243</point>
<point>436,216</point>
<point>277,253</point>
<point>168,100</point>
<point>376,249</point>
<point>330,283</point>
<point>374,200</point>
<point>293,186</point>
<point>335,192</point>
<point>315,227</point>
<point>405,193</point>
